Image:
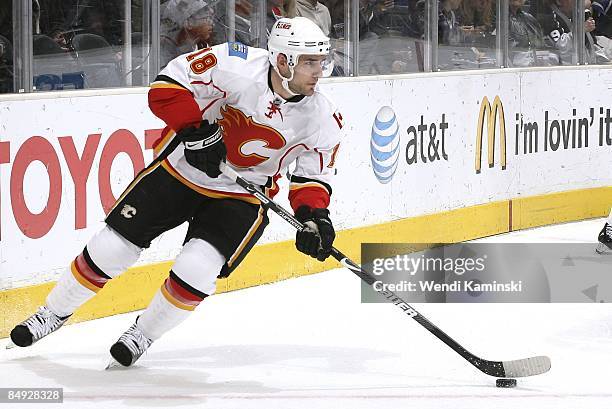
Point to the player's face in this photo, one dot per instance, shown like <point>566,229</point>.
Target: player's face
<point>306,74</point>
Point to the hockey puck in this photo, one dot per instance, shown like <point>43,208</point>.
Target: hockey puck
<point>505,383</point>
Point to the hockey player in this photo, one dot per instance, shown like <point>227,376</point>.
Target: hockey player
<point>605,237</point>
<point>258,110</point>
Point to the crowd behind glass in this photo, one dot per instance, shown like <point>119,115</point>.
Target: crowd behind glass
<point>76,44</point>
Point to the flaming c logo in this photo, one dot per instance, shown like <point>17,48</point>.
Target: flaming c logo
<point>238,130</point>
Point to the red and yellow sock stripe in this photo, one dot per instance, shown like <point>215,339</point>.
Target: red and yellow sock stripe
<point>86,275</point>
<point>180,297</point>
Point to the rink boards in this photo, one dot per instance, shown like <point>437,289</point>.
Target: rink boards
<point>458,156</point>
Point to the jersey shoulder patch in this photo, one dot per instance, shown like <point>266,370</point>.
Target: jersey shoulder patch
<point>236,49</point>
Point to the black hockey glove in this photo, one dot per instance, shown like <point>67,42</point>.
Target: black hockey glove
<point>317,238</point>
<point>204,147</point>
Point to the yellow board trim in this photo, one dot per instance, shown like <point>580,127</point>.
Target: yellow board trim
<point>135,289</point>
<point>561,207</point>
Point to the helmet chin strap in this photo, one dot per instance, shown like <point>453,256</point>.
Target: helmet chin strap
<point>285,81</point>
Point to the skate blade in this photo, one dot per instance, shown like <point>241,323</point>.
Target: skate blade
<point>10,345</point>
<point>603,249</point>
<point>113,365</point>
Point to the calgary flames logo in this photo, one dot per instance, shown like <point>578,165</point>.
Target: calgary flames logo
<point>240,130</point>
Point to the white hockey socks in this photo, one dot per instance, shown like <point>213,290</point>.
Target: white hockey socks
<point>160,317</point>
<point>193,278</point>
<point>106,256</point>
<point>67,295</point>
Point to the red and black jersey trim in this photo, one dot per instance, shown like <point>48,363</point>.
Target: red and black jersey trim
<point>93,265</point>
<point>308,192</point>
<point>171,80</point>
<point>303,180</point>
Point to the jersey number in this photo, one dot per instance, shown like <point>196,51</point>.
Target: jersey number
<point>202,64</point>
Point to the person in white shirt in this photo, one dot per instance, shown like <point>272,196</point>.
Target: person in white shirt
<point>315,11</point>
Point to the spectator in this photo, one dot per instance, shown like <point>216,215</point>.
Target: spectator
<point>602,44</point>
<point>375,57</point>
<point>368,37</point>
<point>525,36</point>
<point>415,20</point>
<point>448,26</point>
<point>186,26</point>
<point>247,30</point>
<point>478,18</point>
<point>100,17</point>
<point>243,32</point>
<point>278,9</point>
<point>479,14</point>
<point>557,26</point>
<point>602,13</point>
<point>316,12</point>
<point>369,13</point>
<point>51,19</point>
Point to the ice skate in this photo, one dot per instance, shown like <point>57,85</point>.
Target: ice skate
<point>129,347</point>
<point>605,240</point>
<point>38,326</point>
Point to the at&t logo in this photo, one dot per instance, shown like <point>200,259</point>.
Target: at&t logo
<point>384,144</point>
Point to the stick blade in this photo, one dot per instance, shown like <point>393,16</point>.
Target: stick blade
<point>526,367</point>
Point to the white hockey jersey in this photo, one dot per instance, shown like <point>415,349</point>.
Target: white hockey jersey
<point>262,132</point>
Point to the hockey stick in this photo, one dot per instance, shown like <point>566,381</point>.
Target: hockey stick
<point>500,369</point>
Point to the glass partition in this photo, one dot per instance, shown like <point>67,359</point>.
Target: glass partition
<point>560,19</point>
<point>556,17</point>
<point>466,34</point>
<point>48,45</point>
<point>88,44</point>
<point>526,41</point>
<point>6,47</point>
<point>389,36</point>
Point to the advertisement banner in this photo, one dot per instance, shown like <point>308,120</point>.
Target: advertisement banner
<point>412,146</point>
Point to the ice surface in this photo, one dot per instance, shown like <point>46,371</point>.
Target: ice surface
<point>310,343</point>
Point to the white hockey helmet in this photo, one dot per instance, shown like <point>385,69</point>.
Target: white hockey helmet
<point>297,36</point>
